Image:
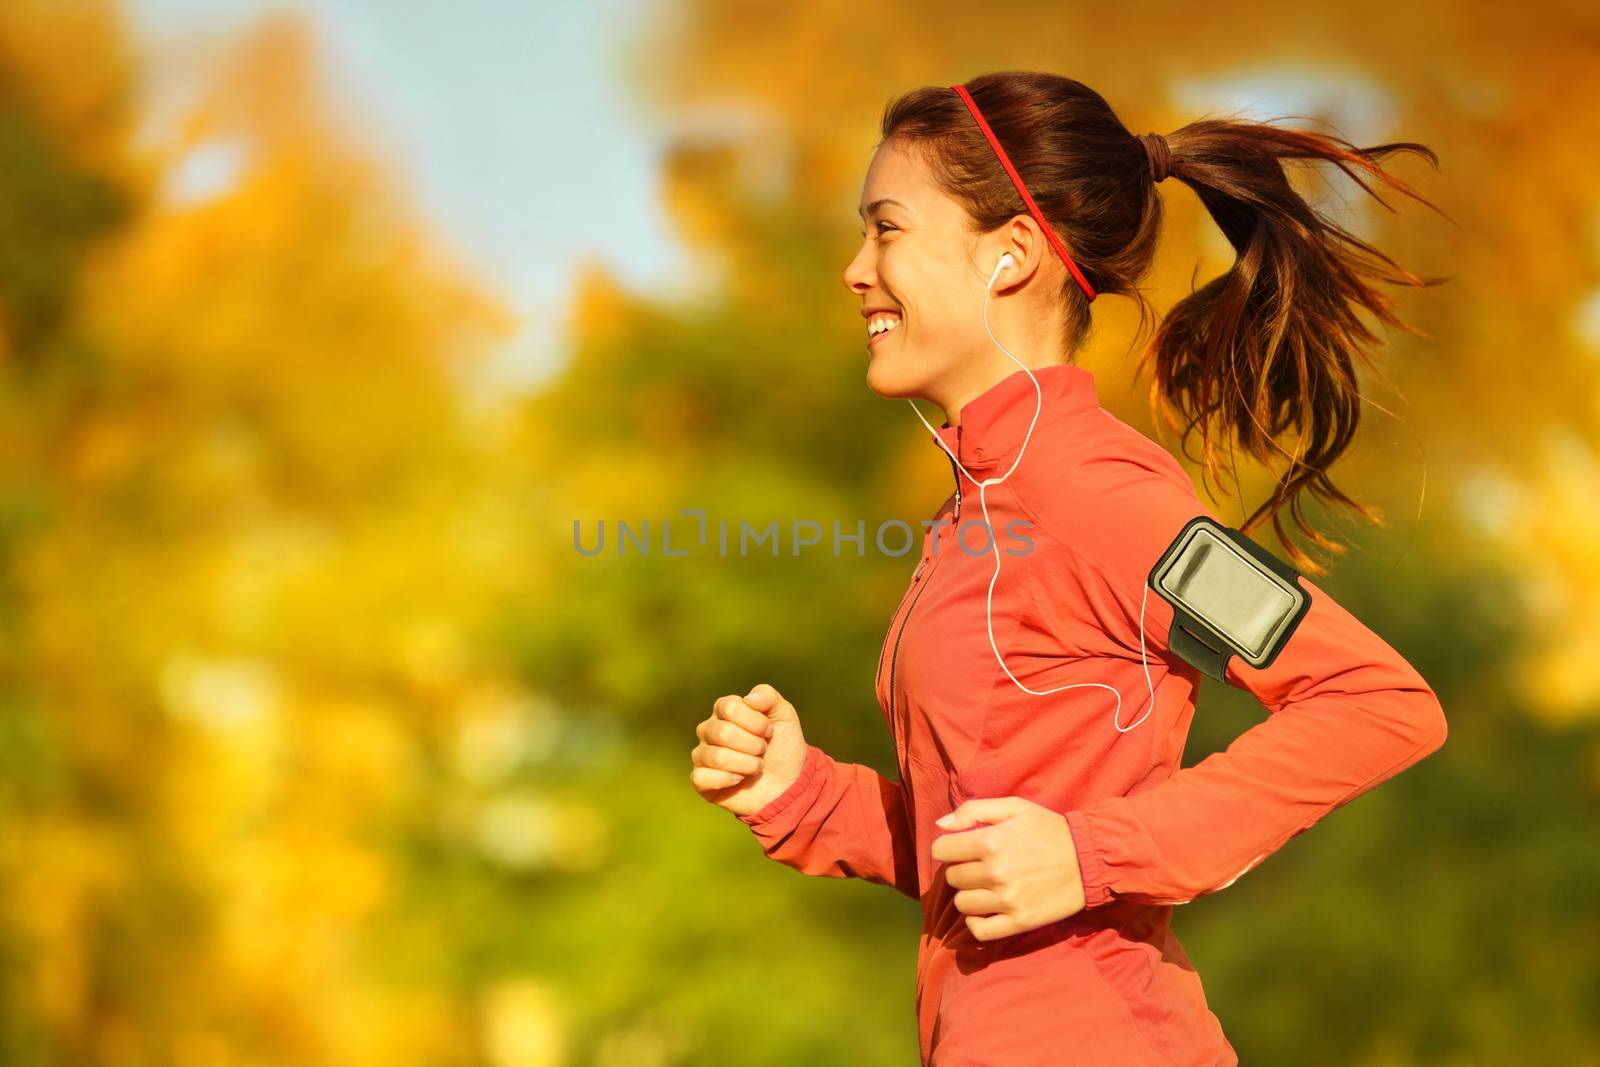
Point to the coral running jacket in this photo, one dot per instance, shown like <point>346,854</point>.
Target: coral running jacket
<point>1100,502</point>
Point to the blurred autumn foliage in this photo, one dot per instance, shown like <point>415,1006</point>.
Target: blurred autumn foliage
<point>319,744</point>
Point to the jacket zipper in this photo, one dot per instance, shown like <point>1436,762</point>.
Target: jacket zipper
<point>957,472</point>
<point>924,571</point>
<point>921,566</point>
<point>894,726</point>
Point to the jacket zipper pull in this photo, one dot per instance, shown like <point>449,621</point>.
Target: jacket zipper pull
<point>957,472</point>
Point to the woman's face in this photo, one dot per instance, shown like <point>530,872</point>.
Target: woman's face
<point>917,260</point>
<point>913,261</point>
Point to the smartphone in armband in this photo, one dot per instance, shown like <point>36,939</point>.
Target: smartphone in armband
<point>1229,597</point>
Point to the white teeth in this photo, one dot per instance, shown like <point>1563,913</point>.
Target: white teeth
<point>882,325</point>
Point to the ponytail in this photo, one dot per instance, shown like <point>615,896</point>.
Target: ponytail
<point>1271,345</point>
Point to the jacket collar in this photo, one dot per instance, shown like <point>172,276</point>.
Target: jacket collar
<point>994,423</point>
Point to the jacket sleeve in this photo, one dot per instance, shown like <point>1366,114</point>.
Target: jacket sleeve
<point>1345,711</point>
<point>840,820</point>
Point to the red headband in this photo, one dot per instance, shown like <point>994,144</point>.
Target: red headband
<point>1016,179</point>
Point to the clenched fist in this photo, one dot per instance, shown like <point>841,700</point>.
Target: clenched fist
<point>751,749</point>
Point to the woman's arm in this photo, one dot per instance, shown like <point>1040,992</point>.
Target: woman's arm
<point>840,820</point>
<point>1346,711</point>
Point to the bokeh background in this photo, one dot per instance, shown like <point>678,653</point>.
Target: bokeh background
<point>321,323</point>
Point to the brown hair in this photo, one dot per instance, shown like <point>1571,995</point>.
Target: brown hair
<point>1268,345</point>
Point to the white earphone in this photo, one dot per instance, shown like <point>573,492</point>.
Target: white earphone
<point>1006,260</point>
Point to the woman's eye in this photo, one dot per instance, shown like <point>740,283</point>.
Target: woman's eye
<point>881,225</point>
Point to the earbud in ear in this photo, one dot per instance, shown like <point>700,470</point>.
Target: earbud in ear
<point>1005,261</point>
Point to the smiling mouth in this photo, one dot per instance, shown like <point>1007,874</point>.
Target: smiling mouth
<point>881,334</point>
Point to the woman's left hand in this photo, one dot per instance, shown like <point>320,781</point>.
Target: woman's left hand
<point>1014,863</point>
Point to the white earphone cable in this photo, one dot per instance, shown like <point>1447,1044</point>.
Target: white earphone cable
<point>995,543</point>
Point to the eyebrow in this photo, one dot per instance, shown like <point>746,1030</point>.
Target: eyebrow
<point>872,208</point>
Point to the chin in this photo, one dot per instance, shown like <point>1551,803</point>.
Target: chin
<point>888,380</point>
<point>882,379</point>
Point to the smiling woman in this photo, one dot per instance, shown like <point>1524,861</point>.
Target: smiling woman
<point>1047,849</point>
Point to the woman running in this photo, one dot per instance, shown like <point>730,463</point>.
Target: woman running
<point>1040,673</point>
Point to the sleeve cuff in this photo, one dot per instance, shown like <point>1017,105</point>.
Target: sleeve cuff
<point>1091,863</point>
<point>816,760</point>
